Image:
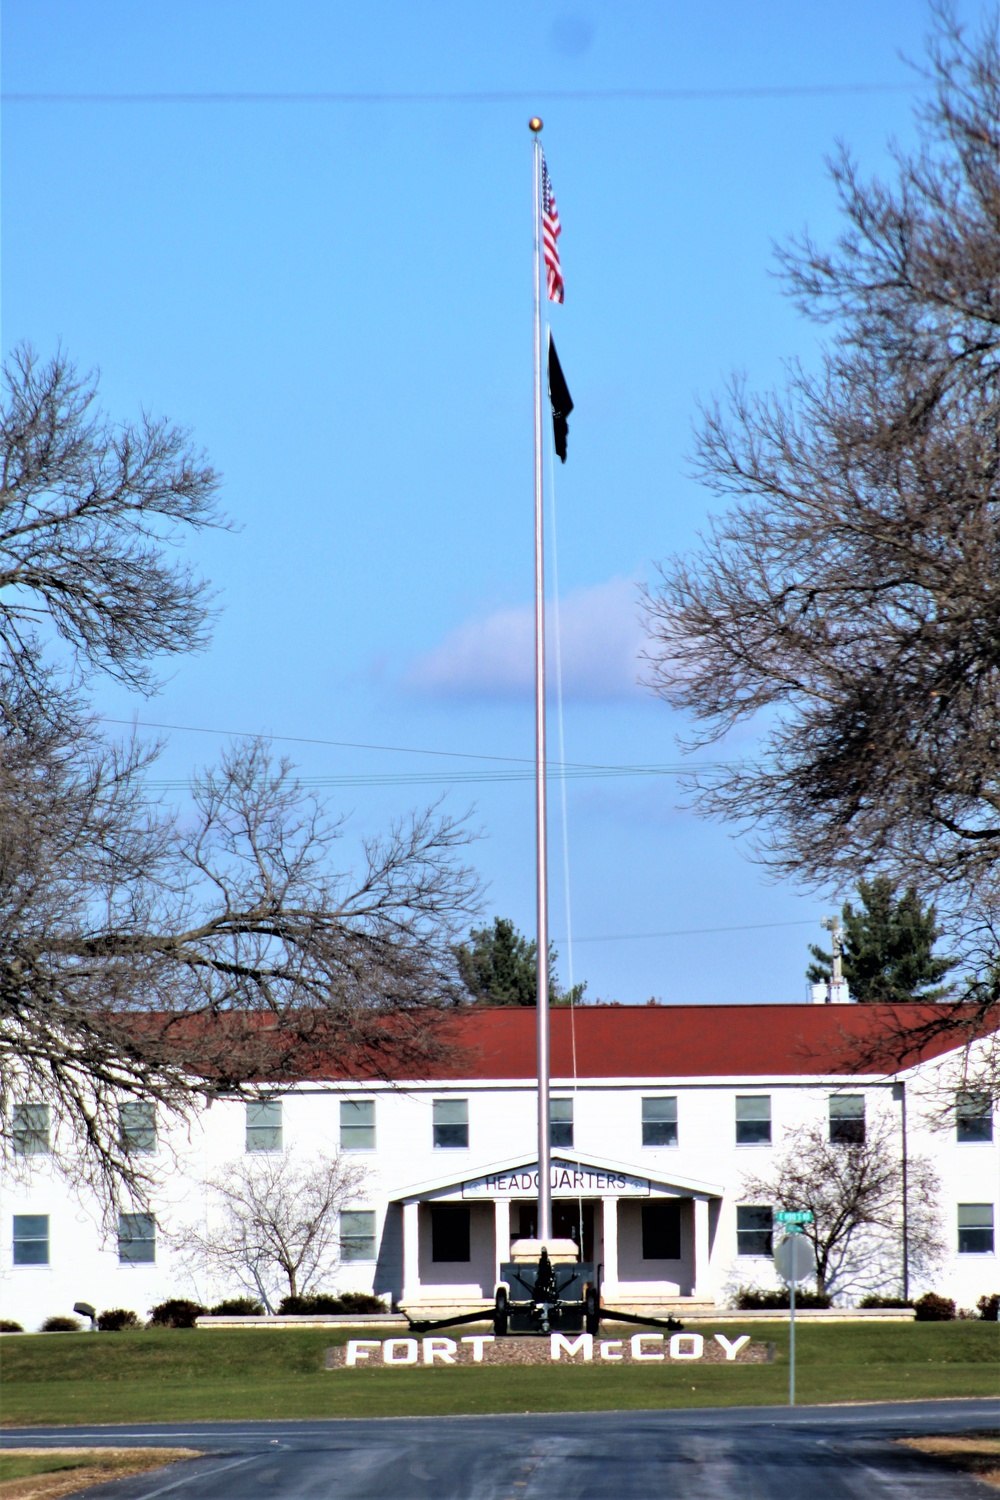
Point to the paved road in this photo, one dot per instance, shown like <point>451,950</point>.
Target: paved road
<point>763,1453</point>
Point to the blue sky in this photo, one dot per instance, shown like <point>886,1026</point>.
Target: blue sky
<point>336,299</point>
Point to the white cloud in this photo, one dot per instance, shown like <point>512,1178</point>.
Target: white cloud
<point>493,656</point>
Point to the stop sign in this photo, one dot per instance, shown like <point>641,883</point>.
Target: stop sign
<point>794,1258</point>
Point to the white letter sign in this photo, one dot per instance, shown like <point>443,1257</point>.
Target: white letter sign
<point>358,1349</point>
<point>733,1347</point>
<point>694,1340</point>
<point>637,1341</point>
<point>439,1349</point>
<point>584,1344</point>
<point>408,1346</point>
<point>478,1341</point>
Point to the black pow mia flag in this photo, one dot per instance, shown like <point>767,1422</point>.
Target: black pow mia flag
<point>562,401</point>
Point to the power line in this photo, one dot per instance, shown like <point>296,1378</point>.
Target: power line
<point>623,937</point>
<point>570,769</point>
<point>457,778</point>
<point>300,739</point>
<point>504,96</point>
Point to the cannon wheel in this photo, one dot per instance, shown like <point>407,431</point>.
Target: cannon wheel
<point>592,1311</point>
<point>500,1313</point>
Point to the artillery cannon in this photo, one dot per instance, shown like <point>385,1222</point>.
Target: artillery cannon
<point>545,1288</point>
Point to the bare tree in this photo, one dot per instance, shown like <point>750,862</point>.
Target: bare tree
<point>88,511</point>
<point>148,953</point>
<point>855,1193</point>
<point>272,1219</point>
<point>848,594</point>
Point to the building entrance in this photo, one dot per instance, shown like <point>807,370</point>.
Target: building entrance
<point>571,1220</point>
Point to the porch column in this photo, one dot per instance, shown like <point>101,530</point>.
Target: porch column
<point>501,1233</point>
<point>609,1223</point>
<point>700,1287</point>
<point>411,1250</point>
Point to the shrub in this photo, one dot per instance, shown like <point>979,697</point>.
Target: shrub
<point>323,1302</point>
<point>989,1308</point>
<point>876,1301</point>
<point>60,1324</point>
<point>930,1308</point>
<point>7,1325</point>
<point>117,1318</point>
<point>362,1302</point>
<point>238,1307</point>
<point>750,1297</point>
<point>176,1312</point>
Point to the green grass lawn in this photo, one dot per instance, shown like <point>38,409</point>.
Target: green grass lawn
<point>169,1375</point>
<point>20,1466</point>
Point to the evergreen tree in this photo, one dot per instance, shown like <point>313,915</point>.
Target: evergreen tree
<point>498,967</point>
<point>888,947</point>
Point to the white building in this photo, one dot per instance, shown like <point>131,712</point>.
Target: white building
<point>655,1127</point>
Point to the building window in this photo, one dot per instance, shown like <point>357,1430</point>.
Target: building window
<point>659,1122</point>
<point>136,1239</point>
<point>754,1230</point>
<point>753,1119</point>
<point>450,1232</point>
<point>451,1124</point>
<point>264,1125</point>
<point>357,1124</point>
<point>975,1229</point>
<point>973,1117</point>
<point>661,1230</point>
<point>561,1122</point>
<point>357,1235</point>
<point>31,1239</point>
<point>31,1129</point>
<point>847,1119</point>
<point>138,1128</point>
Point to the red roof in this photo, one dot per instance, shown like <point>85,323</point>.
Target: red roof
<point>682,1041</point>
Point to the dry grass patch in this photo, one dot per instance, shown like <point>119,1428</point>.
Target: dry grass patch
<point>975,1453</point>
<point>48,1474</point>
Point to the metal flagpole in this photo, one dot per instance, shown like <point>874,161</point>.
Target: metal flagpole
<point>544,1229</point>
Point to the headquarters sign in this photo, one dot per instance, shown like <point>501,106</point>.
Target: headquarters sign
<point>568,1179</point>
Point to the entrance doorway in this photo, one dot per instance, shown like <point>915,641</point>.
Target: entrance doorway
<point>571,1220</point>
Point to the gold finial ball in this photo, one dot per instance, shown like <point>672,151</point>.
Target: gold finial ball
<point>535,124</point>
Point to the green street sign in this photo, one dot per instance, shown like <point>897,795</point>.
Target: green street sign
<point>798,1216</point>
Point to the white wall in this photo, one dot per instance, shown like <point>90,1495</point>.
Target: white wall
<point>83,1259</point>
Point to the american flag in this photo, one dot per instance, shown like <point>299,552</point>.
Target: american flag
<point>551,230</point>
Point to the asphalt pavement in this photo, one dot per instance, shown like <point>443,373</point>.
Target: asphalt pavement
<point>754,1453</point>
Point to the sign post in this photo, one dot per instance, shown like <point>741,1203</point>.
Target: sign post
<point>794,1260</point>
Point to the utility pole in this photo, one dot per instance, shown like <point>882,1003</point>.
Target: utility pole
<point>835,989</point>
<point>899,1094</point>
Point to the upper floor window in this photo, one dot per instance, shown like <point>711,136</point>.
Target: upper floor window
<point>753,1119</point>
<point>31,1239</point>
<point>357,1124</point>
<point>659,1122</point>
<point>975,1229</point>
<point>973,1117</point>
<point>754,1229</point>
<point>847,1119</point>
<point>137,1122</point>
<point>264,1125</point>
<point>561,1122</point>
<point>357,1235</point>
<point>136,1239</point>
<point>31,1129</point>
<point>451,1123</point>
